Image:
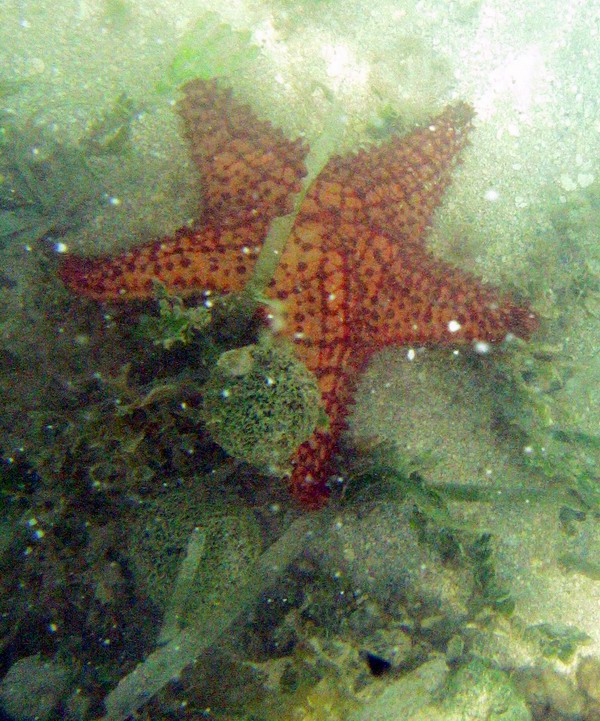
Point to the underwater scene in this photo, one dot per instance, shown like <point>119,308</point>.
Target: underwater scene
<point>300,360</point>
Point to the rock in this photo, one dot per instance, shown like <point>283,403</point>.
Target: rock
<point>548,691</point>
<point>480,691</point>
<point>406,698</point>
<point>392,645</point>
<point>33,687</point>
<point>588,677</point>
<point>474,692</point>
<point>77,706</point>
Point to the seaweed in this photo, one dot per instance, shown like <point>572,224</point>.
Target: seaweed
<point>176,322</point>
<point>209,49</point>
<point>110,133</point>
<point>386,470</point>
<point>492,592</point>
<point>121,433</point>
<point>529,380</point>
<point>48,186</point>
<point>126,434</point>
<point>556,640</point>
<point>45,186</point>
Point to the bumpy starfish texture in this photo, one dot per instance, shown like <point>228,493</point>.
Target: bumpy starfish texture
<point>355,275</point>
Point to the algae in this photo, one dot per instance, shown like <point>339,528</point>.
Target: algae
<point>477,691</point>
<point>529,379</point>
<point>48,186</point>
<point>167,662</point>
<point>209,49</point>
<point>556,640</point>
<point>110,133</point>
<point>176,322</point>
<point>45,186</point>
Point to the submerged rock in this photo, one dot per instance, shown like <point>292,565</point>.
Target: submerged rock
<point>480,691</point>
<point>408,697</point>
<point>474,692</point>
<point>33,688</point>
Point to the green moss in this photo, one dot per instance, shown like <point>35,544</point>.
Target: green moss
<point>176,323</point>
<point>579,564</point>
<point>480,691</point>
<point>209,49</point>
<point>556,640</point>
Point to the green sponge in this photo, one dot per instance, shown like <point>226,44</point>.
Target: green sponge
<point>260,403</point>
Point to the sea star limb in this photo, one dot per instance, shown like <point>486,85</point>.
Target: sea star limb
<point>355,275</point>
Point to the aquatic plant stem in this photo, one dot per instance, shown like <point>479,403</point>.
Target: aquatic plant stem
<point>281,227</point>
<point>494,494</point>
<point>167,662</point>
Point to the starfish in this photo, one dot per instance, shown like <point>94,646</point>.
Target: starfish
<point>355,275</point>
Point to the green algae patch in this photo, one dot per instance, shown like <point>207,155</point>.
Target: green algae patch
<point>480,691</point>
<point>556,640</point>
<point>175,323</point>
<point>209,49</point>
<point>45,185</point>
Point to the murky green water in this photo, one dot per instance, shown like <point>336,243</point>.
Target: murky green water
<point>153,560</point>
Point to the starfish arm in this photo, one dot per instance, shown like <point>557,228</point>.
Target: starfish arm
<point>313,464</point>
<point>250,173</point>
<point>248,168</point>
<point>337,363</point>
<point>396,186</point>
<point>312,468</point>
<point>420,299</point>
<point>204,260</point>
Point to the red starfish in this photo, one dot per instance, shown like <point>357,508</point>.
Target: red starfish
<point>355,275</point>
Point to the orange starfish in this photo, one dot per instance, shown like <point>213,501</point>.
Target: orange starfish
<point>355,275</point>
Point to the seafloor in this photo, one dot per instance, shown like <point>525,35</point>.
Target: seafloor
<point>468,581</point>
